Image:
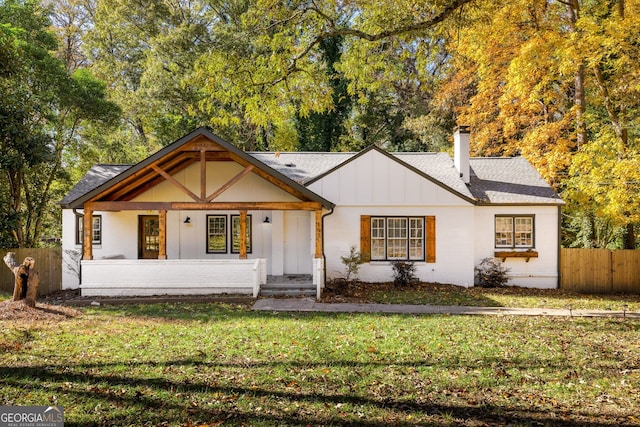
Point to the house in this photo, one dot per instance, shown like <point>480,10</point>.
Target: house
<point>201,216</point>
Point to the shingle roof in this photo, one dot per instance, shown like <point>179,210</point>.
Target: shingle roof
<point>438,166</point>
<point>509,180</point>
<point>96,176</point>
<point>302,166</point>
<point>496,180</point>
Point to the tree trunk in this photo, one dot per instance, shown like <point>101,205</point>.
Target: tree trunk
<point>573,11</point>
<point>27,279</point>
<point>630,237</point>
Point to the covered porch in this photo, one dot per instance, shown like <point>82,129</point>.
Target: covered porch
<point>177,182</point>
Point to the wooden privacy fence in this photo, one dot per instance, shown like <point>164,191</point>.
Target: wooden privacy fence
<point>600,271</point>
<point>48,264</point>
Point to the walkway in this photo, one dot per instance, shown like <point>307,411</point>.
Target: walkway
<point>310,305</point>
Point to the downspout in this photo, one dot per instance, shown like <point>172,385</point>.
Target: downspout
<point>324,256</point>
<point>75,212</point>
<point>559,247</point>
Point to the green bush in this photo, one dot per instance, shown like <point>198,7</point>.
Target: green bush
<point>491,274</point>
<point>404,273</point>
<point>352,264</point>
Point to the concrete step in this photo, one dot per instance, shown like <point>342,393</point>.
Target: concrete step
<point>288,289</point>
<point>287,292</point>
<point>291,285</point>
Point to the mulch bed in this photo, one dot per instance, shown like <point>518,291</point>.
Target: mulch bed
<point>341,291</point>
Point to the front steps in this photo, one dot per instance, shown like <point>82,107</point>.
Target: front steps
<point>290,285</point>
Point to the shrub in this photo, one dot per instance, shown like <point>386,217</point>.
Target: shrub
<point>404,273</point>
<point>491,274</point>
<point>352,264</point>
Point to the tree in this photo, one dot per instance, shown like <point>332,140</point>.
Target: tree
<point>42,107</point>
<point>146,54</point>
<point>557,82</point>
<point>268,62</point>
<point>322,131</point>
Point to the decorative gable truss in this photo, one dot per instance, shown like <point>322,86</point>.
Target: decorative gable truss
<point>199,147</point>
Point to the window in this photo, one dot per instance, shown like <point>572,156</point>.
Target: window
<point>397,238</point>
<point>216,234</point>
<point>235,234</point>
<point>514,231</point>
<point>96,229</point>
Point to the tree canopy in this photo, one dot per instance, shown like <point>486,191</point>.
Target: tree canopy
<point>42,106</point>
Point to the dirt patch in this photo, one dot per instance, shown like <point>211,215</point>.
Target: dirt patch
<point>18,310</point>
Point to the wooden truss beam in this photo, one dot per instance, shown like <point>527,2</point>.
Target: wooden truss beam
<point>229,183</point>
<point>196,206</point>
<point>173,181</point>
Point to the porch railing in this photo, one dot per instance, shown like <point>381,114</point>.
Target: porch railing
<point>128,277</point>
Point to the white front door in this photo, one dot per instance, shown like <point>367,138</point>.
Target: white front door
<point>297,242</point>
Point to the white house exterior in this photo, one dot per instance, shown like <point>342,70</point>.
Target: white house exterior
<point>186,208</point>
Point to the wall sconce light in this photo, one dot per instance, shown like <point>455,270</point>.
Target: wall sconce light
<point>187,220</point>
<point>266,220</point>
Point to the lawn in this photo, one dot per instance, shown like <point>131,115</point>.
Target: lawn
<point>215,364</point>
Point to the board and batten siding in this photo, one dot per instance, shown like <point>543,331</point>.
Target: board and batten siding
<point>376,185</point>
<point>375,179</point>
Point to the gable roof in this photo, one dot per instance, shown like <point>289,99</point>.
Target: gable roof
<point>175,157</point>
<point>493,181</point>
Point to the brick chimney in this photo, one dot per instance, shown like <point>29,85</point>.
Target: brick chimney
<point>461,147</point>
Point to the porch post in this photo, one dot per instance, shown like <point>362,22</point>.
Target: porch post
<point>319,234</point>
<point>87,234</point>
<point>243,234</point>
<point>162,234</point>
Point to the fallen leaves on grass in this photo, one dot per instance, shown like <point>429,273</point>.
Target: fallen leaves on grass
<point>18,310</point>
<point>446,294</point>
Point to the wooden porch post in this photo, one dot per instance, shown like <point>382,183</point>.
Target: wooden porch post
<point>162,234</point>
<point>319,234</point>
<point>87,234</point>
<point>243,234</point>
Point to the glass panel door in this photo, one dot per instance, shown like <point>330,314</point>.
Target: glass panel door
<point>149,237</point>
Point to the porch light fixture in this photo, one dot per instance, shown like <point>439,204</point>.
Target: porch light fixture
<point>266,220</point>
<point>187,220</point>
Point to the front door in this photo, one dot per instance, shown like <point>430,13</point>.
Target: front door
<point>297,243</point>
<point>148,236</point>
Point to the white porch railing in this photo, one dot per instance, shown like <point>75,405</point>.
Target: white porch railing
<point>318,276</point>
<point>259,275</point>
<point>127,277</point>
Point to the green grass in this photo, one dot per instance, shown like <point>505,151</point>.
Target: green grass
<point>437,294</point>
<point>214,364</point>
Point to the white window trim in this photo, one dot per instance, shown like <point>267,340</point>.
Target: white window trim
<point>80,228</point>
<point>513,245</point>
<point>409,221</point>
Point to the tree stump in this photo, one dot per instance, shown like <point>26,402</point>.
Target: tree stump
<point>27,279</point>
